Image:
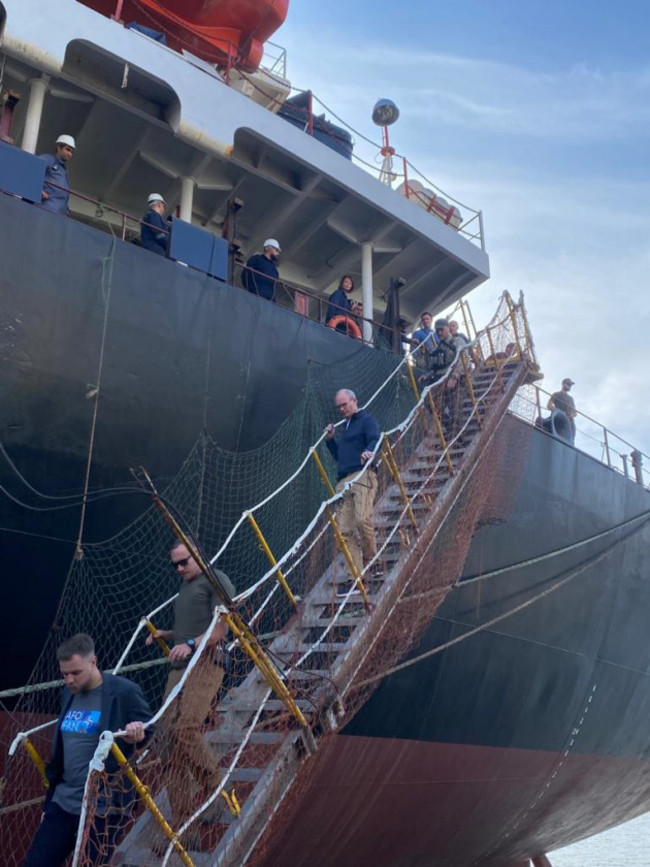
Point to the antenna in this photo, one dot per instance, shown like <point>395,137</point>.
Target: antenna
<point>384,114</point>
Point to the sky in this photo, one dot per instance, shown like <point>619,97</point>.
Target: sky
<point>538,114</point>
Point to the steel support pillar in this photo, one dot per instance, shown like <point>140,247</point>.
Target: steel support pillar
<point>366,290</point>
<point>187,198</point>
<point>37,91</point>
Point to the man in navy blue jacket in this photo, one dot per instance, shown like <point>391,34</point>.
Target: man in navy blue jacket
<point>154,231</point>
<point>260,275</point>
<point>353,449</point>
<point>93,702</point>
<point>56,195</point>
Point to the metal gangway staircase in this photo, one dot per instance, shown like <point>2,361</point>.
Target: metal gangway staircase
<point>296,688</point>
<point>324,646</point>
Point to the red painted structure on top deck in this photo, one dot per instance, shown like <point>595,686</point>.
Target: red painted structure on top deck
<point>224,32</point>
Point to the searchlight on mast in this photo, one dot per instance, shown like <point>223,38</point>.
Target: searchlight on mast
<point>384,114</point>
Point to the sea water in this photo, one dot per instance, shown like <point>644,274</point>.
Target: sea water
<point>627,845</point>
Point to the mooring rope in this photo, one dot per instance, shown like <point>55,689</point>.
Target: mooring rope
<point>573,573</point>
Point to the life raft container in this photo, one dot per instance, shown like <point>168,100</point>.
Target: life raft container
<point>350,328</point>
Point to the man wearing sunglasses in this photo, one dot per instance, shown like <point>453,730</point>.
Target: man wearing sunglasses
<point>186,755</point>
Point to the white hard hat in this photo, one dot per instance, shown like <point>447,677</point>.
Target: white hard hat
<point>271,242</point>
<point>66,140</point>
<point>155,197</point>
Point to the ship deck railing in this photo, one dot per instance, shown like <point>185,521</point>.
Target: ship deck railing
<point>290,294</point>
<point>592,437</point>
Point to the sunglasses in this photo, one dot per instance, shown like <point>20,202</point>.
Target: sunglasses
<point>182,563</point>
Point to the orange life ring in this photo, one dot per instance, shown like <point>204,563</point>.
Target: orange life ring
<point>351,326</point>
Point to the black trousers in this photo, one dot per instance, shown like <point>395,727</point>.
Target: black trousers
<point>57,836</point>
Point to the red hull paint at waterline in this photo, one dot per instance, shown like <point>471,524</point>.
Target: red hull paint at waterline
<point>377,801</point>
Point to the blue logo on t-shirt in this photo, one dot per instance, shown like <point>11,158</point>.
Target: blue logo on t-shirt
<point>83,722</point>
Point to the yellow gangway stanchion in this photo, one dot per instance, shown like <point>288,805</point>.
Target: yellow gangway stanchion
<point>470,388</point>
<point>529,338</point>
<point>441,434</point>
<point>265,547</point>
<point>162,644</point>
<point>389,459</point>
<point>34,755</point>
<point>247,639</point>
<point>145,795</point>
<point>232,802</point>
<point>414,384</point>
<point>513,320</point>
<point>496,359</point>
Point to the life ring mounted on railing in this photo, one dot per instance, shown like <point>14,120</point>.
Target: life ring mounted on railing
<point>351,328</point>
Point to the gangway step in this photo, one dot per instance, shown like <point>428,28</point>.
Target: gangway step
<point>328,596</point>
<point>322,647</point>
<point>250,704</point>
<point>245,775</point>
<point>315,619</point>
<point>230,737</point>
<point>304,674</point>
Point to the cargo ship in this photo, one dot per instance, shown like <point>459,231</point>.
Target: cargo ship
<point>498,711</point>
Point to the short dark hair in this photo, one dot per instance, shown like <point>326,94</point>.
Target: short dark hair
<point>77,645</point>
<point>426,313</point>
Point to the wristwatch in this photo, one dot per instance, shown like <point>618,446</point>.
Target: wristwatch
<point>191,644</point>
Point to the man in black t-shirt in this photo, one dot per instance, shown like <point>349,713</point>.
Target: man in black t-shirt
<point>93,702</point>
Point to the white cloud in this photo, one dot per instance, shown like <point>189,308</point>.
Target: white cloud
<point>575,243</point>
<point>578,103</point>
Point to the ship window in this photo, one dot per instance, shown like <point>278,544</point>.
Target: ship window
<point>119,81</point>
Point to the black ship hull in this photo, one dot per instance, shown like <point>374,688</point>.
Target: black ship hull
<point>178,353</point>
<point>522,738</point>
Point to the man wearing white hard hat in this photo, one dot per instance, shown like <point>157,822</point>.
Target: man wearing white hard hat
<point>154,231</point>
<point>55,195</point>
<point>260,275</point>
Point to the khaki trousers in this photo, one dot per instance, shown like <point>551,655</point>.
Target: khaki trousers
<point>355,516</point>
<point>185,753</point>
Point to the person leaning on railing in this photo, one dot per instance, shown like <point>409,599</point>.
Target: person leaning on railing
<point>338,303</point>
<point>425,334</point>
<point>260,276</point>
<point>154,231</point>
<point>562,401</point>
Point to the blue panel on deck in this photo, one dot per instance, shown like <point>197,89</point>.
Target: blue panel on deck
<point>199,249</point>
<point>21,173</point>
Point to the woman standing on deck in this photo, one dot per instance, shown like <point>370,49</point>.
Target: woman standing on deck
<point>339,303</point>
